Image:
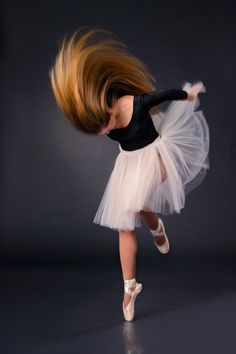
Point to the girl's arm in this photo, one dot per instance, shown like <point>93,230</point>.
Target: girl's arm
<point>156,97</point>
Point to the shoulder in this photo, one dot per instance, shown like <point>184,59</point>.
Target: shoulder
<point>123,104</point>
<point>123,109</point>
<point>125,100</point>
<point>126,104</point>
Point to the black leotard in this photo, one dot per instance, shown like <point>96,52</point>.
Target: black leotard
<point>140,130</point>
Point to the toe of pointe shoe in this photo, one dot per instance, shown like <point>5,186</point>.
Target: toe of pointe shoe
<point>164,248</point>
<point>127,314</point>
<point>161,231</point>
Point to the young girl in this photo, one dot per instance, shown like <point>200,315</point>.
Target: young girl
<point>103,88</point>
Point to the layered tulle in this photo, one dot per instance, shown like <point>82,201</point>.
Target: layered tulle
<point>159,176</point>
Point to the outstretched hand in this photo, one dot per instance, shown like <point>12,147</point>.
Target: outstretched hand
<point>194,90</point>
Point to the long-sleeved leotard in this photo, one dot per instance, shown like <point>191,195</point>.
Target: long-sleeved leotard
<point>140,130</point>
<point>148,100</point>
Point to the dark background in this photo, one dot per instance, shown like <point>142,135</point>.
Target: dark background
<point>61,282</point>
<point>53,177</point>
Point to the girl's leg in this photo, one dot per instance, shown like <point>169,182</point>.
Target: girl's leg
<point>128,247</point>
<point>151,219</point>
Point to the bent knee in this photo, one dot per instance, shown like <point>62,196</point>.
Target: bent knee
<point>122,231</point>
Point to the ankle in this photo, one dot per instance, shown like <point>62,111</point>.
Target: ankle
<point>155,226</point>
<point>129,283</point>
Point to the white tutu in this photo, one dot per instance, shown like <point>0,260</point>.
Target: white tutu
<point>138,180</point>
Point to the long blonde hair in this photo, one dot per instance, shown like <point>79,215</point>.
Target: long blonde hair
<point>90,72</point>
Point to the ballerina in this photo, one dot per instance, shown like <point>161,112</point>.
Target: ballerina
<point>104,89</point>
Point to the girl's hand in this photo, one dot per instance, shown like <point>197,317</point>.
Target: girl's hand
<point>194,91</point>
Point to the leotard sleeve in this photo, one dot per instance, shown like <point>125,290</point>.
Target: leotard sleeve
<point>148,100</point>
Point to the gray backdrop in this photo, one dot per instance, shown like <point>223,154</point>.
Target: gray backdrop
<point>53,177</point>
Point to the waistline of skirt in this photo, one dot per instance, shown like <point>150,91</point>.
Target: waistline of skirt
<point>137,150</point>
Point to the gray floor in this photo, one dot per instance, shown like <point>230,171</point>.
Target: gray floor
<point>186,306</point>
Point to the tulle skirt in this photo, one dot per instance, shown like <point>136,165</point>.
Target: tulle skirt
<point>158,176</point>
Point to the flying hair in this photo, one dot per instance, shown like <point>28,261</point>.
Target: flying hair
<point>92,69</point>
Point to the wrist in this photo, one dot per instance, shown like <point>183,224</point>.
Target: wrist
<point>190,97</point>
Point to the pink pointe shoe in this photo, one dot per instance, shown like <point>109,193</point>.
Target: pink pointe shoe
<point>128,311</point>
<point>158,232</point>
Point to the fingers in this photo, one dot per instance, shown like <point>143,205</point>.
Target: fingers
<point>195,89</point>
<point>199,86</point>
